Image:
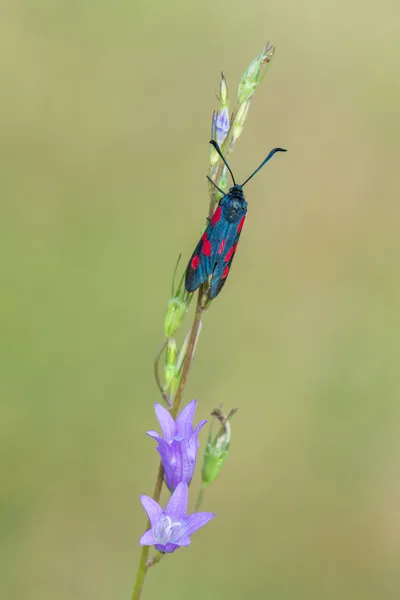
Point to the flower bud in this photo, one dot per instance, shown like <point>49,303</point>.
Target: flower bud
<point>176,310</point>
<point>255,73</point>
<point>217,450</point>
<point>214,157</point>
<point>177,306</point>
<point>240,118</point>
<point>170,362</point>
<point>224,97</point>
<point>220,121</point>
<point>176,375</point>
<point>221,126</point>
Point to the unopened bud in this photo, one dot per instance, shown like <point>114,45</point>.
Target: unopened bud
<point>240,118</point>
<point>214,157</point>
<point>221,126</point>
<point>217,449</point>
<point>255,73</point>
<point>177,306</point>
<point>176,310</point>
<point>170,362</point>
<point>220,121</point>
<point>224,97</point>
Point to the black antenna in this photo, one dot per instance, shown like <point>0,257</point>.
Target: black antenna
<point>218,149</point>
<point>270,155</point>
<point>215,185</point>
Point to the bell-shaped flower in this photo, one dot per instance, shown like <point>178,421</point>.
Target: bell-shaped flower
<point>171,528</point>
<point>178,445</point>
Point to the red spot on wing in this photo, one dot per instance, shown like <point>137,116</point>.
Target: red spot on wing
<point>221,247</point>
<point>207,247</point>
<point>195,262</point>
<point>230,254</point>
<point>216,216</point>
<point>225,273</point>
<point>241,224</point>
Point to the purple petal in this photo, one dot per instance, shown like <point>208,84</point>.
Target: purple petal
<point>177,504</point>
<point>154,435</point>
<point>193,445</point>
<point>168,459</point>
<point>168,548</point>
<point>148,539</point>
<point>153,509</point>
<point>222,125</point>
<point>199,426</point>
<point>167,424</point>
<point>197,520</point>
<point>187,464</point>
<point>166,450</point>
<point>185,419</point>
<point>183,541</point>
<point>178,462</point>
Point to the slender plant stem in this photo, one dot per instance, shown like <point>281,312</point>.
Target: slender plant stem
<point>190,351</point>
<point>155,560</point>
<point>143,565</point>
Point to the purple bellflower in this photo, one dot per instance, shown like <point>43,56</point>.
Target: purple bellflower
<point>171,528</point>
<point>178,445</point>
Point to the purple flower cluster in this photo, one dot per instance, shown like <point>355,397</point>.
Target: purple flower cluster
<point>178,446</point>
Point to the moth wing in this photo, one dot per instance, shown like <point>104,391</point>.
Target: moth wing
<point>223,264</point>
<point>205,255</point>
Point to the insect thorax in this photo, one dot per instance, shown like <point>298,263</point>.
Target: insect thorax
<point>235,205</point>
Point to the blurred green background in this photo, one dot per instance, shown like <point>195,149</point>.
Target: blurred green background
<point>104,123</point>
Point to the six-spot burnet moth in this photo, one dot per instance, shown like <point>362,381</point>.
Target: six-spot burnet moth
<point>214,253</point>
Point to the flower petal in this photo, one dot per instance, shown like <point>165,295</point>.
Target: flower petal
<point>177,504</point>
<point>183,541</point>
<point>148,539</point>
<point>168,548</point>
<point>167,424</point>
<point>194,442</point>
<point>153,509</point>
<point>185,419</point>
<point>165,450</point>
<point>188,462</point>
<point>154,435</point>
<point>199,426</point>
<point>169,460</point>
<point>172,463</point>
<point>197,520</point>
<point>183,463</point>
